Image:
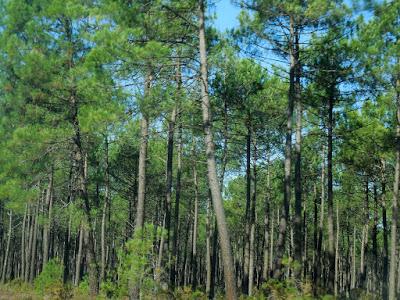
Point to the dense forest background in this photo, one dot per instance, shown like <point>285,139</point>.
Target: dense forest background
<point>144,154</point>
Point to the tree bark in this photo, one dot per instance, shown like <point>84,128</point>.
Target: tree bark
<point>297,221</point>
<point>229,272</point>
<point>393,233</point>
<point>104,213</point>
<point>252,221</point>
<point>277,272</point>
<point>195,219</point>
<point>385,256</point>
<point>6,254</point>
<point>175,254</point>
<point>79,256</point>
<point>266,226</point>
<point>331,231</point>
<point>47,225</point>
<point>170,157</point>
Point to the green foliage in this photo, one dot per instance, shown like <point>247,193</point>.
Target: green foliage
<point>49,282</point>
<point>136,259</point>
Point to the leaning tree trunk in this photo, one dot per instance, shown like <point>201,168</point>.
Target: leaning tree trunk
<point>227,259</point>
<point>393,233</point>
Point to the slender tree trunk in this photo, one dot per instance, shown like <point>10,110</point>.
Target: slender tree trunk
<point>34,244</point>
<point>336,284</point>
<point>79,256</point>
<point>331,232</point>
<point>229,272</point>
<point>208,249</point>
<point>278,272</point>
<point>385,258</point>
<point>6,254</point>
<point>375,240</point>
<point>144,128</point>
<point>28,257</point>
<point>266,226</point>
<point>170,156</point>
<point>104,213</point>
<point>253,221</point>
<point>47,225</point>
<point>175,254</point>
<point>297,222</point>
<point>393,233</point>
<point>246,250</point>
<point>364,240</point>
<point>353,272</point>
<point>195,217</point>
<point>23,246</point>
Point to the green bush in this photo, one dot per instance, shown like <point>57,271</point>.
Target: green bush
<point>49,282</point>
<point>136,260</point>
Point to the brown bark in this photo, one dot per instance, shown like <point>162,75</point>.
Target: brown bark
<point>227,259</point>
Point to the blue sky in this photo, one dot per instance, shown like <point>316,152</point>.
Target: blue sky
<point>226,14</point>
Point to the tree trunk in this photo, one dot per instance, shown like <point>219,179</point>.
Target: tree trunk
<point>208,249</point>
<point>246,250</point>
<point>385,255</point>
<point>393,233</point>
<point>229,272</point>
<point>195,218</point>
<point>175,254</point>
<point>331,232</point>
<point>252,221</point>
<point>34,244</point>
<point>47,225</point>
<point>336,284</point>
<point>104,213</point>
<point>79,256</point>
<point>6,254</point>
<point>297,222</point>
<point>23,246</point>
<point>229,276</point>
<point>277,272</point>
<point>266,226</point>
<point>353,272</point>
<point>170,157</point>
<point>364,240</point>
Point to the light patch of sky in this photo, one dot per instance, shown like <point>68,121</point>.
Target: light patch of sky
<point>226,14</point>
